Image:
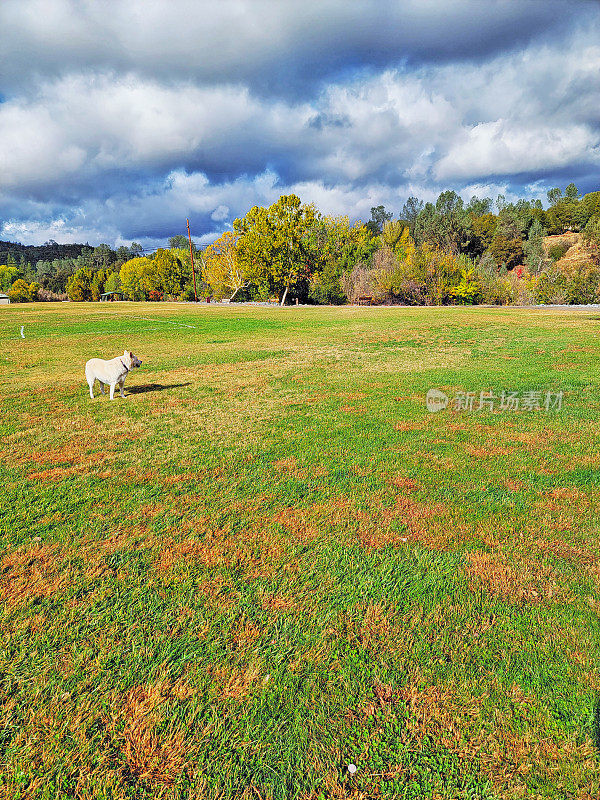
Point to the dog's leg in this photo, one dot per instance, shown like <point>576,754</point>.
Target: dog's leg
<point>91,385</point>
<point>101,386</point>
<point>112,390</point>
<point>121,385</point>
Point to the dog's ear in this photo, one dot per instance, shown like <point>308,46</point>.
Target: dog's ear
<point>131,355</point>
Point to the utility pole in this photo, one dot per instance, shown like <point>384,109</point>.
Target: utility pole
<point>192,257</point>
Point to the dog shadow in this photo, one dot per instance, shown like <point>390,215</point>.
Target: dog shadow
<point>154,387</point>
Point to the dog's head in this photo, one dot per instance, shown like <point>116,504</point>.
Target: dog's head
<point>130,360</point>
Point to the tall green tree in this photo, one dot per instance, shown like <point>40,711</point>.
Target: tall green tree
<point>178,241</point>
<point>8,275</point>
<point>534,248</point>
<point>445,225</point>
<point>274,245</point>
<point>336,247</point>
<point>410,211</point>
<point>379,216</point>
<point>172,271</point>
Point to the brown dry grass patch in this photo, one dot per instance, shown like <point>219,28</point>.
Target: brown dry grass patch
<point>286,465</point>
<point>354,409</point>
<point>426,523</point>
<point>572,553</point>
<point>278,602</point>
<point>507,745</point>
<point>488,451</point>
<point>256,550</point>
<point>44,570</point>
<point>408,426</point>
<point>507,749</point>
<point>308,524</point>
<point>514,486</point>
<point>296,522</point>
<point>530,583</point>
<point>26,574</point>
<point>375,627</point>
<point>236,683</point>
<point>150,757</point>
<point>402,482</point>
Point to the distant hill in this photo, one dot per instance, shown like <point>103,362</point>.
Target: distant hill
<point>44,252</point>
<point>572,254</point>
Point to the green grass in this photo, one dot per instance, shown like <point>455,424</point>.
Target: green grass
<point>271,561</point>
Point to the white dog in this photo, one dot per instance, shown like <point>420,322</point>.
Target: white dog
<point>112,372</point>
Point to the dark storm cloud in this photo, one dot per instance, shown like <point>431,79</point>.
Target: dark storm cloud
<point>277,46</point>
<point>119,125</point>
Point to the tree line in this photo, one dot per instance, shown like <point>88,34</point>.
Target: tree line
<point>491,251</point>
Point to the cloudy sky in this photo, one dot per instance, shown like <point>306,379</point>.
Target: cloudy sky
<point>120,118</point>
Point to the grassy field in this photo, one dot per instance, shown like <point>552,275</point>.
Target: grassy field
<point>270,560</point>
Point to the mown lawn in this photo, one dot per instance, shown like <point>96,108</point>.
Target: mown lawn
<point>271,561</point>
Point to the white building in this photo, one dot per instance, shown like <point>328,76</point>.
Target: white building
<point>4,299</point>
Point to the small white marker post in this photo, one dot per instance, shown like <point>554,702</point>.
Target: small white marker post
<point>22,334</point>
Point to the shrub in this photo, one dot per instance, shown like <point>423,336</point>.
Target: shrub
<point>557,251</point>
<point>591,238</point>
<point>437,272</point>
<point>521,289</point>
<point>187,294</point>
<point>411,293</point>
<point>47,296</point>
<point>468,290</point>
<point>325,286</point>
<point>552,287</point>
<point>568,284</point>
<point>388,273</point>
<point>359,282</point>
<point>584,286</point>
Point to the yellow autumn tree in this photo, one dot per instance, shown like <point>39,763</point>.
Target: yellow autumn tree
<point>397,237</point>
<point>221,268</point>
<point>137,277</point>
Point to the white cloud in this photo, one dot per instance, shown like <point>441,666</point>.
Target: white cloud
<point>510,148</point>
<point>153,112</point>
<point>86,125</point>
<point>251,41</point>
